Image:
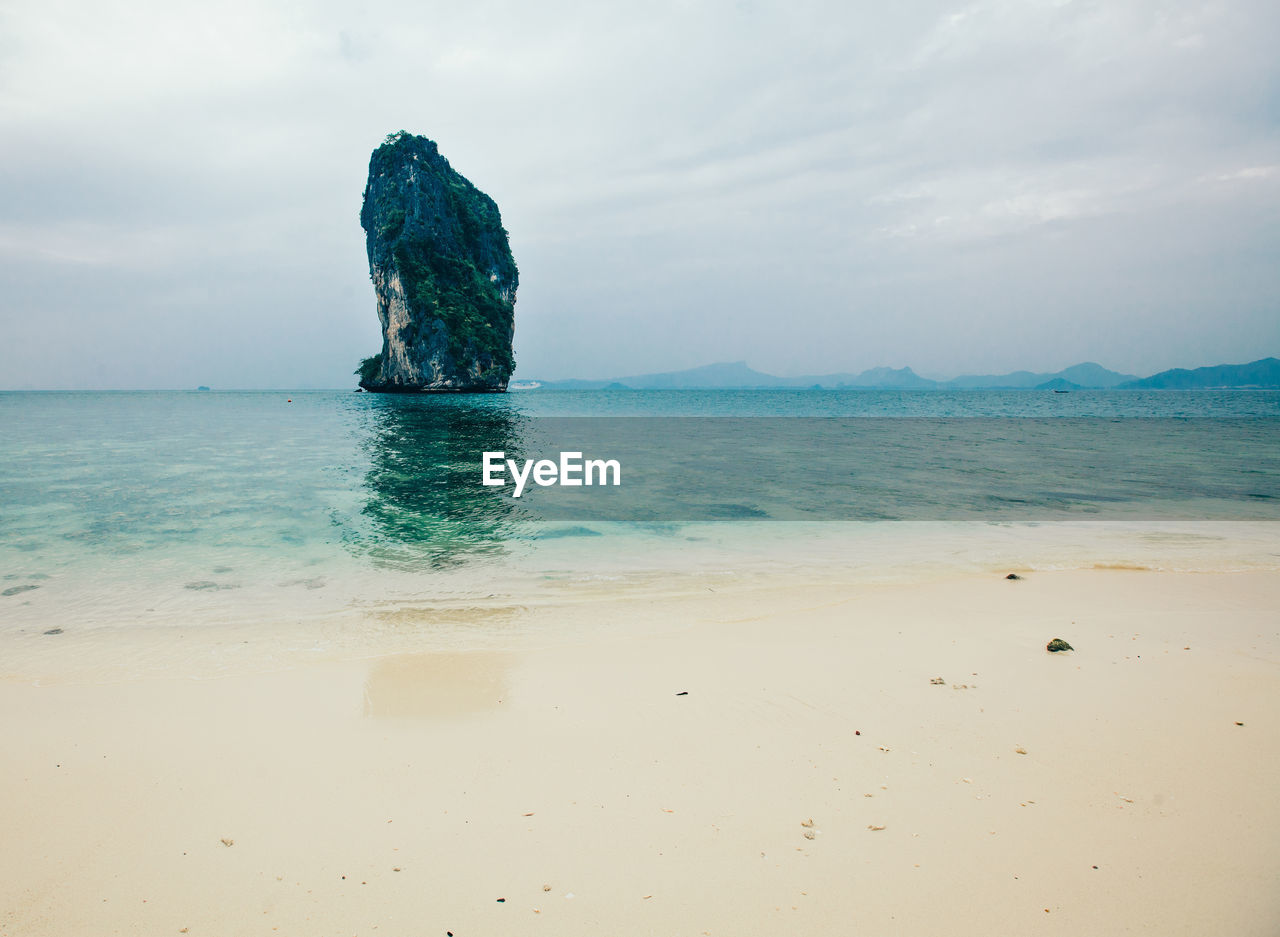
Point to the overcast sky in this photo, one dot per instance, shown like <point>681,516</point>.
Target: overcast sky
<point>810,187</point>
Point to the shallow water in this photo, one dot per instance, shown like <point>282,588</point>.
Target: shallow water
<point>128,510</point>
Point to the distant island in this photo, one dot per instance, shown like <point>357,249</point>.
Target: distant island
<point>442,271</point>
<point>1263,374</point>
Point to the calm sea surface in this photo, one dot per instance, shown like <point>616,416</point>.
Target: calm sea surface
<point>150,509</point>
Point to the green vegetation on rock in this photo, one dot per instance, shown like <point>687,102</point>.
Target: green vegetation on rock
<point>443,272</point>
<point>368,369</point>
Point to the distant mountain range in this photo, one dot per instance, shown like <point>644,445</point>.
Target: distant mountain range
<point>1263,373</point>
<point>737,375</point>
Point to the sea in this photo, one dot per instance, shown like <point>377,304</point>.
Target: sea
<point>333,516</point>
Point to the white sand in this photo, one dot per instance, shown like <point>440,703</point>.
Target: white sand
<point>405,795</point>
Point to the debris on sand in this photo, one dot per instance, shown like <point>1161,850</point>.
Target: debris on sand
<point>1014,576</point>
<point>938,681</point>
<point>1057,644</point>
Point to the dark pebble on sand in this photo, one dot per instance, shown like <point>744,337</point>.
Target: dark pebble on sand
<point>1013,576</point>
<point>1057,644</point>
<point>683,693</point>
<point>501,900</point>
<point>54,631</point>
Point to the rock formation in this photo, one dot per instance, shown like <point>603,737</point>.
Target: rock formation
<point>443,274</point>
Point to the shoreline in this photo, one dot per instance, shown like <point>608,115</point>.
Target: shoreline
<point>572,763</point>
<point>226,615</point>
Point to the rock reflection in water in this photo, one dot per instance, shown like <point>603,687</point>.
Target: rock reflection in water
<point>423,489</point>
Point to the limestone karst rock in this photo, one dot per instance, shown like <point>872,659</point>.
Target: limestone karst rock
<point>443,274</point>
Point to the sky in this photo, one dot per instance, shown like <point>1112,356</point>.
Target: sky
<point>810,187</point>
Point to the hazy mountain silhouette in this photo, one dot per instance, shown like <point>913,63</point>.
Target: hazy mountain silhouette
<point>738,375</point>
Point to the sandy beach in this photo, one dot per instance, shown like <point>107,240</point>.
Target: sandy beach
<point>548,470</point>
<point>780,757</point>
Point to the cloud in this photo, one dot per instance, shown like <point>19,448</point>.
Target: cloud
<point>897,183</point>
<point>1249,172</point>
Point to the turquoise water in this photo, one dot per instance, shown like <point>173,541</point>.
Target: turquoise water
<point>121,509</point>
